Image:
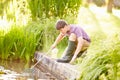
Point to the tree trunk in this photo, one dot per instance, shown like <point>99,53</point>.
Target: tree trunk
<point>89,1</point>
<point>109,6</point>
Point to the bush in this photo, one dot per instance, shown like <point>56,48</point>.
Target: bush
<point>99,2</point>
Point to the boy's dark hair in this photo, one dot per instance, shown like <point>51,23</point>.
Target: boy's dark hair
<point>60,24</point>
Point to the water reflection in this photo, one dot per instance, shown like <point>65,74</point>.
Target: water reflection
<point>16,65</point>
<point>14,70</point>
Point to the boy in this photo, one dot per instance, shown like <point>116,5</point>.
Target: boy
<point>78,41</point>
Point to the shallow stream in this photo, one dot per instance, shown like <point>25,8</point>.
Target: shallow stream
<point>19,70</point>
<point>14,70</point>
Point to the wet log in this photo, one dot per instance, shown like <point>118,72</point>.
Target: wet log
<point>62,71</point>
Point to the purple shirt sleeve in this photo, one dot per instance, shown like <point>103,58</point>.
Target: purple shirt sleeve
<point>76,29</point>
<point>78,32</point>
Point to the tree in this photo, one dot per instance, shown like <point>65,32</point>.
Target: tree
<point>109,6</point>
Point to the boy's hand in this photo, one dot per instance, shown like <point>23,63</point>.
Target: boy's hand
<point>53,46</point>
<point>73,59</point>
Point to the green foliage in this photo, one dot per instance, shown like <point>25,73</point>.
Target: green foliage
<point>61,8</point>
<point>45,28</point>
<point>104,61</point>
<point>15,10</point>
<point>20,42</point>
<point>3,5</point>
<point>103,57</point>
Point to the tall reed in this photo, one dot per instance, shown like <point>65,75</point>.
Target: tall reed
<point>61,8</point>
<point>18,43</point>
<point>103,63</point>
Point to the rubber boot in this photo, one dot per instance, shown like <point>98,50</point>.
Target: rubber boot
<point>69,52</point>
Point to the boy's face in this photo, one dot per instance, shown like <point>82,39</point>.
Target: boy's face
<point>63,30</point>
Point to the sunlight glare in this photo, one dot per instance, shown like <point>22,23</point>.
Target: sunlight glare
<point>5,25</point>
<point>97,19</point>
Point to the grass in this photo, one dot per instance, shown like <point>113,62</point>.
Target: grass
<point>20,42</point>
<point>48,8</point>
<point>102,60</point>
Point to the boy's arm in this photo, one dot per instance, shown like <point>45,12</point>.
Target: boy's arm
<point>58,39</point>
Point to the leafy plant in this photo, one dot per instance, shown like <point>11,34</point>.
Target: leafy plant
<point>48,8</point>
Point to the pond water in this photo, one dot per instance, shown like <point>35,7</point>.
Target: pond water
<point>15,65</point>
<point>20,70</point>
<point>14,69</point>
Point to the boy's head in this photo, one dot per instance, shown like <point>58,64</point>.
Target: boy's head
<point>60,24</point>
